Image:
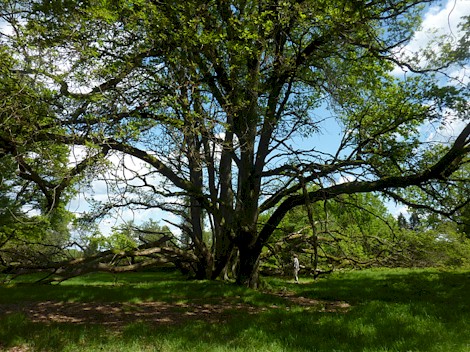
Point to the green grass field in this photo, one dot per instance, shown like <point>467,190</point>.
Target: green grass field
<point>372,310</point>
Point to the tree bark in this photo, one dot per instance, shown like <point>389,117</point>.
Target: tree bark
<point>247,273</point>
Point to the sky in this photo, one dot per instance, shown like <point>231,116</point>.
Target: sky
<point>441,18</point>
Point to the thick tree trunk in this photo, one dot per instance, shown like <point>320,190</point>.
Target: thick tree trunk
<point>223,248</point>
<point>248,265</point>
<point>203,268</point>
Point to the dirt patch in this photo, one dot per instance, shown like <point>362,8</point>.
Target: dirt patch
<point>118,315</point>
<point>17,349</point>
<point>315,304</point>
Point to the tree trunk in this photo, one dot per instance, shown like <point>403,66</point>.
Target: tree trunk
<point>248,265</point>
<point>230,269</point>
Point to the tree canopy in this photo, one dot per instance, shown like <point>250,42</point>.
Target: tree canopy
<point>223,102</point>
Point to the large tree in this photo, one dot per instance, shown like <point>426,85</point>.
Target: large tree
<point>220,100</point>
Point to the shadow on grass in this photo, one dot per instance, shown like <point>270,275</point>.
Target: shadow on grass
<point>373,328</point>
<point>133,287</point>
<point>391,311</point>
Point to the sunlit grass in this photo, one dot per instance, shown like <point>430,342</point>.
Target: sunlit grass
<point>390,310</point>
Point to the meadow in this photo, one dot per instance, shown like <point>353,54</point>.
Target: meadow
<point>370,310</point>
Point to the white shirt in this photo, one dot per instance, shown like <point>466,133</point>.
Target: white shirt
<point>296,263</point>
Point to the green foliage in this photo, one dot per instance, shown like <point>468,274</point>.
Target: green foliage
<point>354,230</point>
<point>31,167</point>
<point>33,240</point>
<point>151,231</point>
<point>357,231</point>
<point>119,239</point>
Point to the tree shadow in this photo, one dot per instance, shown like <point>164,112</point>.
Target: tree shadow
<point>417,311</point>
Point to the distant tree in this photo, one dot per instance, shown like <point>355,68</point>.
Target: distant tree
<point>414,222</point>
<point>464,223</point>
<point>461,196</point>
<point>402,222</point>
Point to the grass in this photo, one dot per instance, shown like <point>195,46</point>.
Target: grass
<point>391,310</point>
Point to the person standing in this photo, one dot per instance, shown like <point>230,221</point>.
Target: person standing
<point>296,268</point>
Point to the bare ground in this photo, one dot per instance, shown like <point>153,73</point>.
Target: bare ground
<point>118,315</point>
<point>121,314</point>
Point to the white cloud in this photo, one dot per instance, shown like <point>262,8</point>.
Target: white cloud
<point>346,179</point>
<point>5,28</point>
<point>443,131</point>
<point>138,217</point>
<point>397,209</point>
<point>77,154</point>
<point>440,20</point>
